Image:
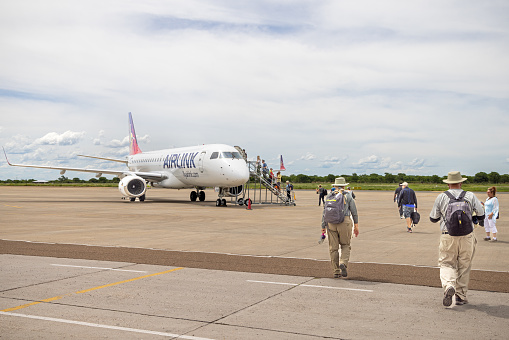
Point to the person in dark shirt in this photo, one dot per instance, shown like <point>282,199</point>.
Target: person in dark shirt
<point>321,194</point>
<point>408,202</point>
<point>396,195</point>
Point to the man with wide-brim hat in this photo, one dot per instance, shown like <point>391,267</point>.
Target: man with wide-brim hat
<point>340,234</point>
<point>454,177</point>
<point>455,252</point>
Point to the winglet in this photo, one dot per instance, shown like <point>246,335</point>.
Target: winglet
<point>6,156</point>
<point>133,142</point>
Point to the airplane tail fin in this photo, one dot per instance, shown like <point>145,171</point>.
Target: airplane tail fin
<point>281,164</point>
<point>133,142</point>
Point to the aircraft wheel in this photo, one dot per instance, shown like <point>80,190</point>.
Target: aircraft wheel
<point>202,196</point>
<point>142,198</point>
<point>223,202</point>
<point>240,201</point>
<point>132,199</point>
<point>193,196</point>
<point>218,202</point>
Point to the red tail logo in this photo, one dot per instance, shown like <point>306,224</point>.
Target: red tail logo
<point>133,142</point>
<point>281,165</point>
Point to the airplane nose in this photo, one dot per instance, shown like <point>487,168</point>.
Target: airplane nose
<point>239,174</point>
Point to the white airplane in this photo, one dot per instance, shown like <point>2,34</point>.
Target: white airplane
<point>213,165</point>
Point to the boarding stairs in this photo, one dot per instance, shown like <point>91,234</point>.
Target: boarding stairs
<point>262,186</point>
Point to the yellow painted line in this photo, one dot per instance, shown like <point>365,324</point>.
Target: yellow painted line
<point>12,206</point>
<point>88,290</point>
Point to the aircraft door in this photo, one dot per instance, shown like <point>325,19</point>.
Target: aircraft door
<point>200,160</point>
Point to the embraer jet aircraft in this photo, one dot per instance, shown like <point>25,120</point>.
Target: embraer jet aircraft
<point>198,167</point>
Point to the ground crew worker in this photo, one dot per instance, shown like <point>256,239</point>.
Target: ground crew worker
<point>340,234</point>
<point>455,253</point>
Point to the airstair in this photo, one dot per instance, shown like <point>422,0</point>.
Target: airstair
<point>260,190</point>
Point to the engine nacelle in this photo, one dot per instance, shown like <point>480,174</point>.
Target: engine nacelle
<point>233,191</point>
<point>132,186</point>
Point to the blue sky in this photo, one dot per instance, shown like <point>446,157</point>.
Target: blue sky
<point>420,87</point>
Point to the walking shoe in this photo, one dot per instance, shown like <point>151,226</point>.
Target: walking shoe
<point>494,240</point>
<point>449,292</point>
<point>460,301</point>
<point>487,238</point>
<point>336,276</point>
<point>343,270</point>
<point>409,230</point>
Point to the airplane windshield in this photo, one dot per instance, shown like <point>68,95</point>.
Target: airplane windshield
<point>231,155</point>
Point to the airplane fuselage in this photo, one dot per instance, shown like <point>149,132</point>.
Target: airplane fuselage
<point>212,165</point>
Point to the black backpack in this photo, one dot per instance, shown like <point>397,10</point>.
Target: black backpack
<point>458,218</point>
<point>415,217</point>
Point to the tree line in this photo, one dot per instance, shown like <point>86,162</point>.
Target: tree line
<point>480,177</point>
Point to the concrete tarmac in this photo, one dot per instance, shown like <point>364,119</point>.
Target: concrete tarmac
<point>94,224</point>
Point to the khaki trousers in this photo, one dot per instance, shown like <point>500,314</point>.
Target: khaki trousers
<point>455,255</point>
<point>340,234</point>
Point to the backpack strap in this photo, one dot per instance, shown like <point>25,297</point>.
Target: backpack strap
<point>451,196</point>
<point>462,195</point>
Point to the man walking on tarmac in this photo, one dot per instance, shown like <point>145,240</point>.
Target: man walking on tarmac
<point>457,242</point>
<point>408,202</point>
<point>338,212</point>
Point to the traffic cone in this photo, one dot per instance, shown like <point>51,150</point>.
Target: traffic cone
<point>248,204</point>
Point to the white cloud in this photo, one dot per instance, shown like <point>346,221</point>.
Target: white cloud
<point>307,157</point>
<point>54,138</point>
<point>386,80</point>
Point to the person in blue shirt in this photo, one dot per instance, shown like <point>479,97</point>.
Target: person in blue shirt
<point>408,202</point>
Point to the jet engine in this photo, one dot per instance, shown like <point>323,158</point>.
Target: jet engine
<point>132,186</point>
<point>234,191</point>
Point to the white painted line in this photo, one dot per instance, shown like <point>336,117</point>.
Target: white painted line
<point>119,270</point>
<point>312,286</point>
<point>143,331</point>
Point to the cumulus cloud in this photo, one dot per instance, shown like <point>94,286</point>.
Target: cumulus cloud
<point>294,70</point>
<point>417,163</point>
<point>332,161</point>
<point>54,138</point>
<point>307,157</point>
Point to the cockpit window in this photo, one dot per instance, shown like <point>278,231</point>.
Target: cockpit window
<point>231,155</point>
<point>214,155</point>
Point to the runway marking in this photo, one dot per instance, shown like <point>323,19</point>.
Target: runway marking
<point>86,267</point>
<point>312,286</point>
<point>87,290</point>
<point>81,323</point>
<point>12,206</point>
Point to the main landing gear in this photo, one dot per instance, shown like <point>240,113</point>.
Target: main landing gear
<point>220,202</point>
<point>197,195</point>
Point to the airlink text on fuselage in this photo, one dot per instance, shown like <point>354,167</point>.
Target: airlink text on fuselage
<point>178,160</point>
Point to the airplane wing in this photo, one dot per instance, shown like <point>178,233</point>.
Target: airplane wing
<point>106,159</point>
<point>151,176</point>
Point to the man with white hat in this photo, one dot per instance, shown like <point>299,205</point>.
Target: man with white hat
<point>456,249</point>
<point>340,233</point>
<point>407,202</point>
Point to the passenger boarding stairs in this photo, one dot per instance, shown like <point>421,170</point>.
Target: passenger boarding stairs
<point>280,195</point>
